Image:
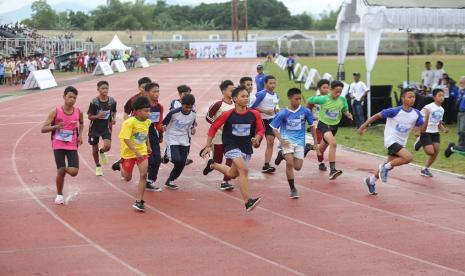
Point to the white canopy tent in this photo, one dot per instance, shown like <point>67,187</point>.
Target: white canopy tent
<point>115,45</point>
<point>375,16</point>
<point>294,36</point>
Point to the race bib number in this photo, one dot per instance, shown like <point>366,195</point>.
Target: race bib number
<point>154,117</point>
<point>241,129</point>
<point>140,138</point>
<point>330,114</point>
<point>64,135</point>
<point>107,114</point>
<point>294,124</point>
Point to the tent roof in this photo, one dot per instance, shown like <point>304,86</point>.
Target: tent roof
<point>451,4</point>
<point>295,35</point>
<point>115,44</point>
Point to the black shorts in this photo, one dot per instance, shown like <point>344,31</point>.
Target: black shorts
<point>94,139</point>
<point>427,139</point>
<point>394,149</point>
<point>323,128</point>
<point>268,128</point>
<point>71,155</point>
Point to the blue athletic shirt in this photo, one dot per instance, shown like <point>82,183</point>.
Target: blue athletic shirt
<point>260,81</point>
<point>291,124</point>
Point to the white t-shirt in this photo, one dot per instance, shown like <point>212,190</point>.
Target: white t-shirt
<point>399,124</point>
<point>427,77</point>
<point>252,99</point>
<point>266,101</point>
<point>357,90</point>
<point>436,112</point>
<point>438,75</point>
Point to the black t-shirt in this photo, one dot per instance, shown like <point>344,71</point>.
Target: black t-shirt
<point>101,126</point>
<point>128,106</point>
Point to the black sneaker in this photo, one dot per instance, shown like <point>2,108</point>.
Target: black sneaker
<point>308,147</point>
<point>207,168</point>
<point>150,186</point>
<point>417,144</point>
<point>322,167</point>
<point>252,203</point>
<point>165,159</point>
<point>426,172</point>
<point>189,161</point>
<point>268,169</point>
<point>279,158</point>
<point>116,166</point>
<point>293,194</point>
<point>171,185</point>
<point>139,206</point>
<point>226,186</point>
<point>449,151</point>
<point>334,174</point>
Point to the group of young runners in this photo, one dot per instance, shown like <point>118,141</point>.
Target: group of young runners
<point>239,122</point>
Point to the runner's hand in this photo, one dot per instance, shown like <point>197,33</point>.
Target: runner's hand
<point>101,115</point>
<point>193,130</point>
<point>59,125</point>
<point>361,130</point>
<point>139,156</point>
<point>79,140</point>
<point>206,152</point>
<point>285,143</point>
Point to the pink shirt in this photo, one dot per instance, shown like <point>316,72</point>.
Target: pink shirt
<point>66,137</point>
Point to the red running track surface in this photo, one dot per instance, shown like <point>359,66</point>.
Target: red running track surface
<point>415,226</point>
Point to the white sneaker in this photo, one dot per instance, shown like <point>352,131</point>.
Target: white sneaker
<point>59,200</point>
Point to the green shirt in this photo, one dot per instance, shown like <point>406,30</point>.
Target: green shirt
<point>330,109</point>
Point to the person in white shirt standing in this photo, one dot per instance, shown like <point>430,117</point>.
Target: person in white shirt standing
<point>438,72</point>
<point>358,92</point>
<point>429,138</point>
<point>427,76</point>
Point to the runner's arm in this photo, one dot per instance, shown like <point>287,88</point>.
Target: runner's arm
<point>47,126</point>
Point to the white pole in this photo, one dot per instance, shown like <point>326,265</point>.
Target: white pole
<point>369,94</point>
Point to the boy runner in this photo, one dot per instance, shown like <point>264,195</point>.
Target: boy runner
<point>399,123</point>
<point>155,135</point>
<point>242,129</point>
<point>102,116</point>
<point>63,122</point>
<point>289,128</point>
<point>332,106</point>
<point>214,112</point>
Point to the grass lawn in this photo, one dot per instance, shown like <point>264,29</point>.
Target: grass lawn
<point>388,70</point>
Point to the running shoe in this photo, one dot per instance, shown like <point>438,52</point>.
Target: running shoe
<point>98,171</point>
<point>268,169</point>
<point>208,168</point>
<point>322,167</point>
<point>383,173</point>
<point>370,186</point>
<point>150,186</point>
<point>308,147</point>
<point>333,174</point>
<point>226,186</point>
<point>294,194</point>
<point>279,158</point>
<point>426,172</point>
<point>60,200</point>
<point>449,151</point>
<point>103,157</point>
<point>116,165</point>
<point>252,203</point>
<point>170,185</point>
<point>139,206</point>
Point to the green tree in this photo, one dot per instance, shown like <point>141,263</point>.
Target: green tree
<point>43,16</point>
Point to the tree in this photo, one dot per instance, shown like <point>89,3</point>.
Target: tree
<point>43,16</point>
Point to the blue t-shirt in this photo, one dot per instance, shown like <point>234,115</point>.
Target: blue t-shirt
<point>290,62</point>
<point>260,81</point>
<point>2,69</point>
<point>291,124</point>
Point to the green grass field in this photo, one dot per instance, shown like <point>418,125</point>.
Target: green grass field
<point>388,70</point>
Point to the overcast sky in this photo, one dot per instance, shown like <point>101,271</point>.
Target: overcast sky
<point>295,6</point>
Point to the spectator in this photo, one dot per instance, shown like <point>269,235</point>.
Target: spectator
<point>290,67</point>
<point>358,92</point>
<point>427,76</point>
<point>438,72</point>
<point>2,71</point>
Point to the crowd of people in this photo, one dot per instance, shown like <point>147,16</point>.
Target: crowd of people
<point>239,121</point>
<point>20,30</point>
<point>14,71</point>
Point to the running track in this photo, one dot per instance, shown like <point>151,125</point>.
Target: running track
<point>414,226</point>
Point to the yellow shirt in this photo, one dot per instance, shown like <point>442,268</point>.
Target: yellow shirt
<point>137,131</point>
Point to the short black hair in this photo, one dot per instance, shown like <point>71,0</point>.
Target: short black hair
<point>436,91</point>
<point>293,91</point>
<point>70,89</point>
<point>336,83</point>
<point>144,80</point>
<point>183,89</point>
<point>440,62</point>
<point>237,90</point>
<point>428,62</point>
<point>322,82</point>
<point>140,103</point>
<point>406,90</point>
<point>150,86</point>
<point>102,82</point>
<point>225,84</point>
<point>269,77</point>
<point>188,100</point>
<point>244,79</point>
